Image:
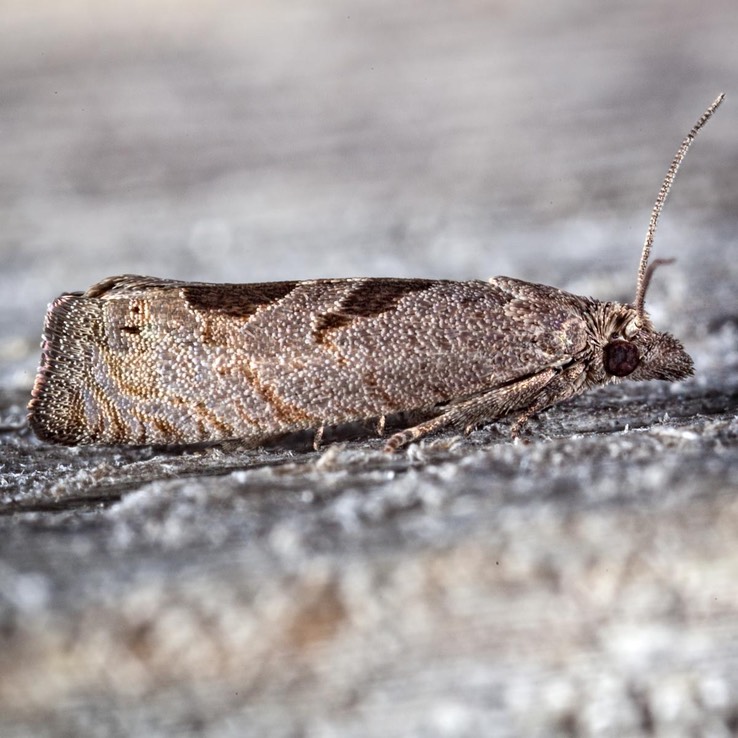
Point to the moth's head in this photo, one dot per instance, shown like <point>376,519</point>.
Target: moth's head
<point>636,351</point>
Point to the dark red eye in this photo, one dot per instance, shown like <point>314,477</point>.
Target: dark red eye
<point>621,358</point>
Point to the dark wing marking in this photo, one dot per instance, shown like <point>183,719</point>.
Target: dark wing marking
<point>237,300</point>
<point>367,299</point>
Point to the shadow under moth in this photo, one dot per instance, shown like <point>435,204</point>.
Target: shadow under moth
<point>140,360</point>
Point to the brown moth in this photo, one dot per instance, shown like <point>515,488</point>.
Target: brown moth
<point>140,360</point>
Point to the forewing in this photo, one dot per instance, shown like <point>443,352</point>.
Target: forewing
<point>141,360</point>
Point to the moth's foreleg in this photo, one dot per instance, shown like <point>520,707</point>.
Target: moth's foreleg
<point>564,385</point>
<point>491,405</point>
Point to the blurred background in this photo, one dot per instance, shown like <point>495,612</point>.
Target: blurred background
<point>252,141</point>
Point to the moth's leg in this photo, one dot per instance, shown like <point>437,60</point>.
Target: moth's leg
<point>318,437</point>
<point>398,440</point>
<point>522,420</point>
<point>567,384</point>
<point>380,425</point>
<point>488,406</point>
<point>524,416</point>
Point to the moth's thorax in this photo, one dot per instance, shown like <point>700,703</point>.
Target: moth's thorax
<point>609,320</point>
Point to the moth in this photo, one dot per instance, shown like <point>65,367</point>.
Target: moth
<point>141,360</point>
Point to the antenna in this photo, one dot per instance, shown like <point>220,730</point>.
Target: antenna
<point>644,271</point>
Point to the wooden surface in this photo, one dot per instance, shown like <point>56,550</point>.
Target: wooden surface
<point>578,582</point>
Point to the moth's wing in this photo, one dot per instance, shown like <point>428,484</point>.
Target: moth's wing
<point>141,360</point>
<point>144,360</point>
<point>137,359</point>
<point>381,346</point>
<point>541,339</point>
<point>543,326</point>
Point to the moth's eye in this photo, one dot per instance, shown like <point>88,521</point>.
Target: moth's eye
<point>621,358</point>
